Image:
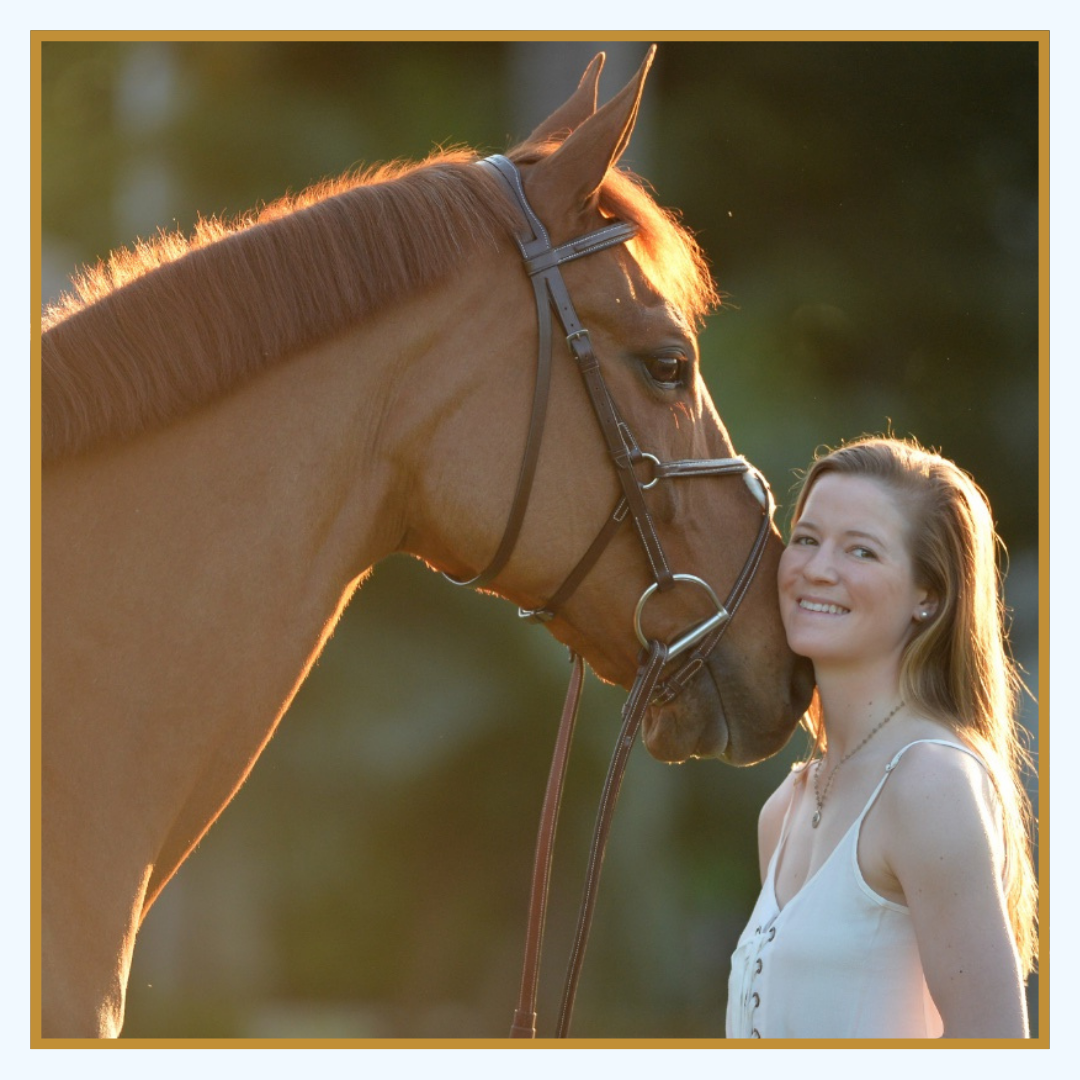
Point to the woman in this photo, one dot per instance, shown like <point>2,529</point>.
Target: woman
<point>898,896</point>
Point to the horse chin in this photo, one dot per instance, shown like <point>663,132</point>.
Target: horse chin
<point>718,716</point>
<point>682,729</point>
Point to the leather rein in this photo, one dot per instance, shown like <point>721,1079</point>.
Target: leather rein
<point>542,262</point>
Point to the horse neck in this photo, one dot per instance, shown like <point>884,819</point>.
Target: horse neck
<point>191,576</point>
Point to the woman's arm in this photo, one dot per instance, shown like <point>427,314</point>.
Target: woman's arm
<point>945,848</point>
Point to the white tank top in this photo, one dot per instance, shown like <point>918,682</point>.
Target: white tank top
<point>838,961</point>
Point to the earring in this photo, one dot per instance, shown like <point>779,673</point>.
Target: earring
<point>923,616</point>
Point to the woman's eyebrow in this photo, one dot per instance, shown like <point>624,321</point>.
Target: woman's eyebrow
<point>859,534</point>
<point>862,535</point>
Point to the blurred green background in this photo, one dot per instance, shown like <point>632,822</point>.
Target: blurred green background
<point>870,210</point>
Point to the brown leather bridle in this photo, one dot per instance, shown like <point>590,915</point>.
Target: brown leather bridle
<point>542,262</point>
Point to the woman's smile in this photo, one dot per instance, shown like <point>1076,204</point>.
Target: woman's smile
<point>822,607</point>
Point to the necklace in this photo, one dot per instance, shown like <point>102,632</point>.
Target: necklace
<point>821,796</point>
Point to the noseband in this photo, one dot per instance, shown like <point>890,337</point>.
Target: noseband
<point>542,263</point>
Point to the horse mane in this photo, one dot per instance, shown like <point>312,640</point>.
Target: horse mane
<point>172,323</point>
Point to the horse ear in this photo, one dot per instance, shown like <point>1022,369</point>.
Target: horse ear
<point>578,167</point>
<point>577,109</point>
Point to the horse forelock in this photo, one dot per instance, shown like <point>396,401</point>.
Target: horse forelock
<point>170,323</point>
<point>667,252</point>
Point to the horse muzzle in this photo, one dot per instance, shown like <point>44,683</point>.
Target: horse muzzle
<point>719,713</point>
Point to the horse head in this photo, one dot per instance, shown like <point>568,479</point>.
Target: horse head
<point>704,534</point>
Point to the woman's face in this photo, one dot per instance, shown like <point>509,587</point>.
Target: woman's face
<point>848,595</point>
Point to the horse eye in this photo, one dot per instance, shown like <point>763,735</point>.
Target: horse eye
<point>665,371</point>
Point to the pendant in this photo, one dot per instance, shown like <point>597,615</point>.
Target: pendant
<point>815,821</point>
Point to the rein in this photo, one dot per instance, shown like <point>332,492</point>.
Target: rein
<point>542,262</point>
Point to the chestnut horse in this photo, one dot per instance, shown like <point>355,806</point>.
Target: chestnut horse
<point>236,427</point>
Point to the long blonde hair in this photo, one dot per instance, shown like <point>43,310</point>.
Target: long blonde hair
<point>957,668</point>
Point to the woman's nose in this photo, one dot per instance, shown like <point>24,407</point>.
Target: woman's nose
<point>820,566</point>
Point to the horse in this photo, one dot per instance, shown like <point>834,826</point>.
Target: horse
<point>236,426</point>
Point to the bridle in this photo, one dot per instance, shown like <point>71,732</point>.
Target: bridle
<point>542,262</point>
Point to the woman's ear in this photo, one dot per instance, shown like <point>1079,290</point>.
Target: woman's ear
<point>926,608</point>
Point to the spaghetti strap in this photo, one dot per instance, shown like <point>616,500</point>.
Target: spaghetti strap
<point>774,858</point>
<point>799,778</point>
<point>896,760</point>
<point>940,742</point>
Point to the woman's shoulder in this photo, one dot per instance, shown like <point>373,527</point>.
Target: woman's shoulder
<point>939,762</point>
<point>933,781</point>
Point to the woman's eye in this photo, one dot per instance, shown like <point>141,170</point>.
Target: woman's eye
<point>863,553</point>
<point>665,371</point>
